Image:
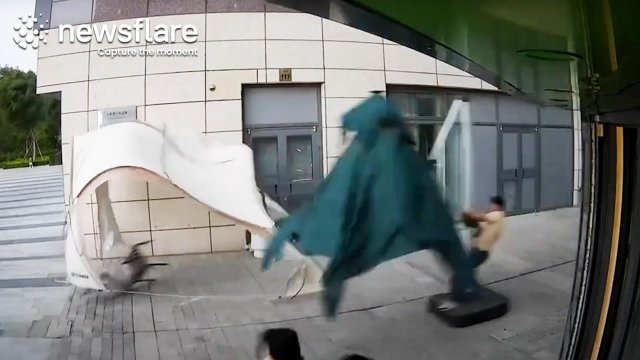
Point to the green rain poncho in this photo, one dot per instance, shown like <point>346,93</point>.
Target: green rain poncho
<point>380,202</point>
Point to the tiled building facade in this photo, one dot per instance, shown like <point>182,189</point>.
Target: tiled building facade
<point>241,45</point>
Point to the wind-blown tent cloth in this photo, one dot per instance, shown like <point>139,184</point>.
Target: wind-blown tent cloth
<point>380,202</point>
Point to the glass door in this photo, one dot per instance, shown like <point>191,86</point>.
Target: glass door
<point>287,164</point>
<point>302,157</point>
<point>519,174</point>
<point>266,160</point>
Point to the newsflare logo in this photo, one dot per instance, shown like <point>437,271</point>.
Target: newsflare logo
<point>126,33</point>
<point>30,31</point>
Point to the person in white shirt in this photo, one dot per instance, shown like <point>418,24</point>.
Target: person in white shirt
<point>490,226</point>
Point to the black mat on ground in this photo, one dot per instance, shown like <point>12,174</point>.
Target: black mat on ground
<point>487,306</point>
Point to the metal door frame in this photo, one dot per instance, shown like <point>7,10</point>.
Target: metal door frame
<point>518,176</point>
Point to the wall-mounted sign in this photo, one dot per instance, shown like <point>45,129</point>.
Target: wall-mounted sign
<point>116,115</point>
<point>285,74</point>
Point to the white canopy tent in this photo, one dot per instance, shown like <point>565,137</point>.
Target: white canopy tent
<point>220,177</point>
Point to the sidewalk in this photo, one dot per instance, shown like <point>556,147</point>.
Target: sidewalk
<point>383,314</point>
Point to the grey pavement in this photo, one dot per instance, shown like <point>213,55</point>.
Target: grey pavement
<point>215,305</point>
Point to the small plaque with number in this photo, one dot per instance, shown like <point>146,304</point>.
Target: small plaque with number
<point>285,74</point>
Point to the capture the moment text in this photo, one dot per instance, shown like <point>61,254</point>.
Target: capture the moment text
<point>147,52</point>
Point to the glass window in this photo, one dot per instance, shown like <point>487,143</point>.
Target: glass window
<point>107,10</point>
<point>72,12</point>
<point>235,5</point>
<point>265,150</point>
<point>426,105</point>
<point>279,105</point>
<point>402,102</point>
<point>173,7</point>
<point>43,7</point>
<point>300,158</point>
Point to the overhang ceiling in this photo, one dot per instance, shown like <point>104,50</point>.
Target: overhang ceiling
<point>523,47</point>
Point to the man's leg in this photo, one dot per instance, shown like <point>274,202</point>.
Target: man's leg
<point>477,257</point>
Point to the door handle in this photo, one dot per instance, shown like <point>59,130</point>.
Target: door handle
<point>275,187</point>
<point>515,173</point>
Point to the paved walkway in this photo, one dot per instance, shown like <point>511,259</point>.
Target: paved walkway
<point>214,306</point>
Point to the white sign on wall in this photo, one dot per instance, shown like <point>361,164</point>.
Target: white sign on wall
<point>116,115</point>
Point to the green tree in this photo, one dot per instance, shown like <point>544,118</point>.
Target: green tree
<point>25,117</point>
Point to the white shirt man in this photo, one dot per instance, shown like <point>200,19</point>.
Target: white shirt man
<point>490,228</point>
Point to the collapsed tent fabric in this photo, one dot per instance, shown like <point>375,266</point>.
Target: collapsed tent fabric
<point>220,177</point>
<point>380,202</point>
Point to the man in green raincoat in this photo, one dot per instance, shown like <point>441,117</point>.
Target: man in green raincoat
<point>380,202</point>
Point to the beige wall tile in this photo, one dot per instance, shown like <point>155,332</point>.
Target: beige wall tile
<point>411,78</point>
<point>188,19</point>
<point>293,26</point>
<point>141,113</point>
<point>331,162</point>
<point>173,88</point>
<point>235,26</point>
<point>227,137</point>
<point>67,188</point>
<point>339,32</point>
<point>127,188</point>
<point>73,96</point>
<point>353,83</point>
<point>177,214</point>
<point>184,241</point>
<point>262,75</point>
<point>336,142</point>
<point>294,54</point>
<point>92,122</point>
<point>72,125</point>
<point>228,83</point>
<point>187,116</point>
<point>63,69</point>
<point>171,64</point>
<point>227,238</point>
<point>446,69</point>
<point>224,115</point>
<point>132,216</point>
<point>402,58</point>
<point>106,67</point>
<point>162,189</point>
<point>219,220</point>
<point>297,76</point>
<point>54,48</point>
<point>351,55</point>
<point>459,81</point>
<point>235,55</point>
<point>337,107</point>
<point>108,93</point>
<point>487,86</point>
<point>66,158</point>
